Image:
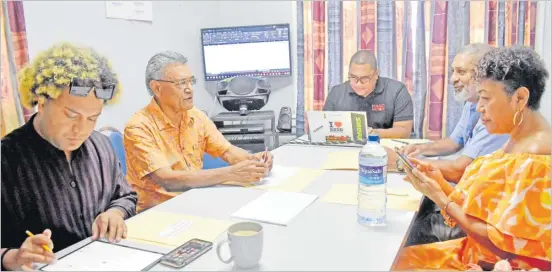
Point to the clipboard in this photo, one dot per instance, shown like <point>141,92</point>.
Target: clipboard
<point>64,263</point>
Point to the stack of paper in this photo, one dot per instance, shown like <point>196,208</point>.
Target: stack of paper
<point>173,229</point>
<point>397,198</point>
<point>275,207</point>
<point>282,178</point>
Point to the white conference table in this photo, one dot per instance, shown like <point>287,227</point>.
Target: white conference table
<point>324,236</point>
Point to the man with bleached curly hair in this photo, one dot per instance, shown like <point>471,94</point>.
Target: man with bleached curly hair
<point>61,179</point>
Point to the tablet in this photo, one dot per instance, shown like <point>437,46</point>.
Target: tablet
<point>103,256</point>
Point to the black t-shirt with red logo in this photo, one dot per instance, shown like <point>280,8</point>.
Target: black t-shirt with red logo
<point>389,102</point>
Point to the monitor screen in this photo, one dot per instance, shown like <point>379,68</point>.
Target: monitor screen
<point>262,50</point>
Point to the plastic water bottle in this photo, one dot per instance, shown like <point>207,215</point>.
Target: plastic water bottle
<point>372,180</point>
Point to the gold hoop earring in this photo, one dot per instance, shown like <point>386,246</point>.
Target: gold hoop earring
<point>516,117</point>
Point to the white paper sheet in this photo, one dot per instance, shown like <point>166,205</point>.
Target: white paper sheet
<point>101,256</point>
<point>277,175</point>
<point>129,10</point>
<point>275,207</point>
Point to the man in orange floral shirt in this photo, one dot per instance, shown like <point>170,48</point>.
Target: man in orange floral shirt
<point>166,140</point>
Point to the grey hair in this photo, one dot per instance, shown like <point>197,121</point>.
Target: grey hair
<point>157,64</point>
<point>475,50</point>
<point>364,57</point>
<point>515,66</point>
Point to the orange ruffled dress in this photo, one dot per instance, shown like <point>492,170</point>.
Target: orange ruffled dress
<point>511,192</point>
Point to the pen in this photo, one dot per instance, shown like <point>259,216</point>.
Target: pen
<point>399,141</point>
<point>265,157</point>
<point>318,128</point>
<point>30,234</point>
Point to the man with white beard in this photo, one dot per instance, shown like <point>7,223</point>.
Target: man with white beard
<point>470,139</point>
<point>469,135</point>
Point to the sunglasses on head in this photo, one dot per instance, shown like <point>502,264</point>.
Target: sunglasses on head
<point>81,87</point>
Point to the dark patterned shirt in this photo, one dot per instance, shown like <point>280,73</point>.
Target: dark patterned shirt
<point>40,191</point>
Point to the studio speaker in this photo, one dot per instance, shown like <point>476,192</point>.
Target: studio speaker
<point>284,120</point>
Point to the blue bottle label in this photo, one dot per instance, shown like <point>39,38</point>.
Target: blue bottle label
<point>372,175</point>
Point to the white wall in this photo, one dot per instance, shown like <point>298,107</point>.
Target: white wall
<point>129,44</point>
<point>543,40</point>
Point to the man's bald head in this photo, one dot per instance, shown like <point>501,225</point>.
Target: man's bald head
<point>364,57</point>
<point>363,72</point>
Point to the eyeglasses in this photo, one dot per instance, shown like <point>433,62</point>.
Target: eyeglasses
<point>81,87</point>
<point>362,80</point>
<point>181,84</point>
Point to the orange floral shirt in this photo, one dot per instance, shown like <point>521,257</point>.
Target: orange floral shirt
<point>512,194</point>
<point>152,142</point>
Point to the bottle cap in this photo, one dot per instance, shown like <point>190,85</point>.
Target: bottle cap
<point>373,138</point>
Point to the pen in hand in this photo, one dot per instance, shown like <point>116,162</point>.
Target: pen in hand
<point>265,155</point>
<point>30,234</point>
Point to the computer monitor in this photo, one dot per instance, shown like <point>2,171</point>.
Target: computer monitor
<point>261,50</point>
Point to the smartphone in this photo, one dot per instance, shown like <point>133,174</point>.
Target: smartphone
<point>407,163</point>
<point>186,253</point>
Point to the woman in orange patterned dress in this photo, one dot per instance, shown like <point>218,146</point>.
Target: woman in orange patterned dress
<point>503,200</point>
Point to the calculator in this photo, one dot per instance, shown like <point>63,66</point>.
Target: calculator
<point>186,253</point>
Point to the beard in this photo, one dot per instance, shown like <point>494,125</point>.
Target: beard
<point>462,95</point>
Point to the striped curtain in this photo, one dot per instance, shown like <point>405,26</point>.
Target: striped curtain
<point>415,42</point>
<point>14,56</point>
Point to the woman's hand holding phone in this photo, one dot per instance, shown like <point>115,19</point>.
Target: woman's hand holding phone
<point>428,169</point>
<point>406,163</point>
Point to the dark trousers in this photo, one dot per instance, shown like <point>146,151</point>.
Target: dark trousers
<point>429,226</point>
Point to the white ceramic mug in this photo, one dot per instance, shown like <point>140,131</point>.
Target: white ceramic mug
<point>245,240</point>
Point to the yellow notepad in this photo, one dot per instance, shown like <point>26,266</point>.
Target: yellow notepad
<point>397,198</point>
<point>342,160</point>
<point>165,228</point>
<point>287,179</point>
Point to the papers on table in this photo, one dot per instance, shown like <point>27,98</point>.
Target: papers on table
<point>275,207</point>
<point>176,229</point>
<point>348,160</point>
<point>101,256</point>
<point>342,160</point>
<point>283,178</point>
<point>277,175</point>
<point>173,229</point>
<point>397,198</point>
<point>392,143</point>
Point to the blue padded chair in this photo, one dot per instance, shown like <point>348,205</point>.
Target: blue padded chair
<point>116,138</point>
<point>210,162</point>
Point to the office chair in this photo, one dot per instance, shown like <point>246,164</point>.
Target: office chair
<point>210,162</point>
<point>116,138</point>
